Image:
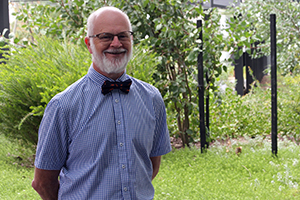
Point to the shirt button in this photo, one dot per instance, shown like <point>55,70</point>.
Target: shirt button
<point>125,189</point>
<point>119,122</point>
<point>116,100</point>
<point>121,144</point>
<point>123,166</point>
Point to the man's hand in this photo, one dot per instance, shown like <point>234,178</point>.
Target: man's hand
<point>155,165</point>
<point>46,183</point>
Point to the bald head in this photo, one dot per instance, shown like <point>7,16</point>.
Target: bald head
<point>106,16</point>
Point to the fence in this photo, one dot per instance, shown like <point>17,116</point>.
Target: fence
<point>4,19</point>
<point>255,64</point>
<point>254,68</point>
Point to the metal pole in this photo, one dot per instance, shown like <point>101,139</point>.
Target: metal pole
<point>249,79</point>
<point>207,110</point>
<point>4,16</point>
<point>201,91</point>
<point>238,73</point>
<point>274,82</point>
<point>4,19</point>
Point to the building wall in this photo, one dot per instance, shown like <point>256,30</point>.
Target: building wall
<point>219,3</point>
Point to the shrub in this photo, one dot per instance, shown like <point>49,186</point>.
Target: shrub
<point>30,78</point>
<point>236,116</point>
<point>33,75</point>
<point>250,115</point>
<point>289,107</point>
<point>142,65</point>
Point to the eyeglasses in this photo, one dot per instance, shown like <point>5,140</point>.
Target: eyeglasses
<point>109,37</point>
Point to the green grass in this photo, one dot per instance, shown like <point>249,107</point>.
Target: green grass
<point>188,174</point>
<point>15,179</point>
<point>255,174</point>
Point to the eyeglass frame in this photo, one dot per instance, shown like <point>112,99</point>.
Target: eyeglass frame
<point>97,35</point>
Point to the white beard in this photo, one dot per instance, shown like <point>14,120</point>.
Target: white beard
<point>110,66</point>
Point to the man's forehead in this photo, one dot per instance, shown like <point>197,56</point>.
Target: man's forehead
<point>111,15</point>
<point>111,19</point>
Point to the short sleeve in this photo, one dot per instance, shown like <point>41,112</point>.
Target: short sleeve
<point>161,142</point>
<point>52,145</point>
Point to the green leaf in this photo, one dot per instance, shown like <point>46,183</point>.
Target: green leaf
<point>158,27</point>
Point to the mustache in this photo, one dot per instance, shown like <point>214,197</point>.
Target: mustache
<point>115,51</point>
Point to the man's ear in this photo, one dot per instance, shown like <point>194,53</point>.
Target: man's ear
<point>88,44</point>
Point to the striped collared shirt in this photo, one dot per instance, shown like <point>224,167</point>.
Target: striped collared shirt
<point>103,143</point>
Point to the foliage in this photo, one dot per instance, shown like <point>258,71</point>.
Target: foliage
<point>142,64</point>
<point>233,116</point>
<point>169,29</point>
<point>289,107</point>
<point>33,75</point>
<point>56,19</point>
<point>238,116</point>
<point>254,15</point>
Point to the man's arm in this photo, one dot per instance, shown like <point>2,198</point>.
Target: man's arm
<point>155,165</point>
<point>46,183</point>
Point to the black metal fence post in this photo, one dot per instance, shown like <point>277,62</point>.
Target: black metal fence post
<point>273,82</point>
<point>4,19</point>
<point>207,112</point>
<point>4,16</point>
<point>207,16</point>
<point>248,63</point>
<point>201,91</point>
<point>238,73</point>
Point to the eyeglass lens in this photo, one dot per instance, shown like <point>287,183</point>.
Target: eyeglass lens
<point>108,37</point>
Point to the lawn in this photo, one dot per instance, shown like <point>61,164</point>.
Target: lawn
<point>188,174</point>
<point>15,179</point>
<point>221,174</point>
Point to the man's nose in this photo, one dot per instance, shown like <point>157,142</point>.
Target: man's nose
<point>116,42</point>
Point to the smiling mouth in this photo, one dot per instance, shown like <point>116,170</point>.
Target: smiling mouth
<point>115,51</point>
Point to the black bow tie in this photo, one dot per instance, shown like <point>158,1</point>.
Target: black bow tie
<point>108,86</point>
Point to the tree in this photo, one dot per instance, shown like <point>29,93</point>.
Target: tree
<point>255,14</point>
<point>169,28</point>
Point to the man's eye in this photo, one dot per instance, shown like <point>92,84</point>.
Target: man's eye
<point>122,37</point>
<point>105,37</point>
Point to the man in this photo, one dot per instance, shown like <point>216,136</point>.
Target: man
<point>104,140</point>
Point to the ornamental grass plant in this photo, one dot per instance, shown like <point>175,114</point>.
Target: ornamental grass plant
<point>30,77</point>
